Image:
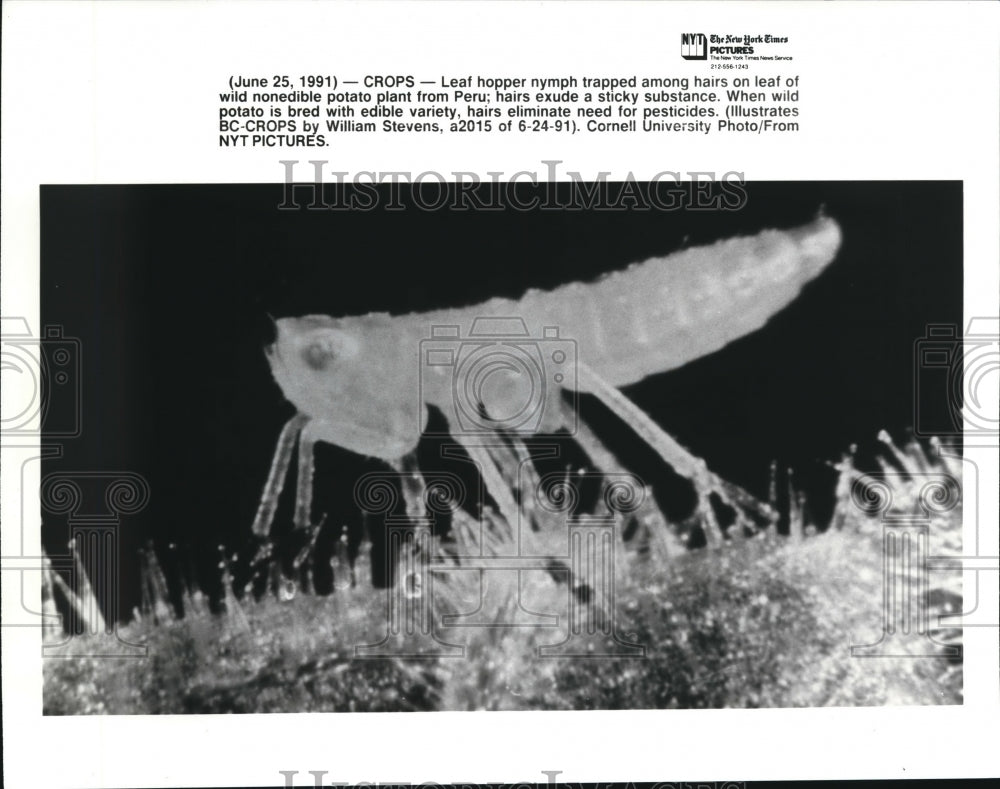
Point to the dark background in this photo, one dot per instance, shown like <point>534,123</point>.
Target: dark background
<point>168,289</point>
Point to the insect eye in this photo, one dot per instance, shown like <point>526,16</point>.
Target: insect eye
<point>324,347</point>
<point>318,355</point>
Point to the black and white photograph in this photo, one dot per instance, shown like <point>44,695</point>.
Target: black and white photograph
<point>619,445</point>
<point>480,394</point>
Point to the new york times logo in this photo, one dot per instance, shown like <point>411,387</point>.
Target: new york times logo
<point>694,46</point>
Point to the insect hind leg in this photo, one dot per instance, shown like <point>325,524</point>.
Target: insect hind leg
<point>683,462</point>
<point>643,526</point>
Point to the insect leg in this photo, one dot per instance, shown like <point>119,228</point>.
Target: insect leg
<point>412,484</point>
<point>517,467</point>
<point>304,483</point>
<point>496,485</point>
<point>302,520</point>
<point>276,477</point>
<point>649,517</point>
<point>527,480</point>
<point>682,461</point>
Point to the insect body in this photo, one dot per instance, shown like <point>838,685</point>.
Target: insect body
<point>364,381</point>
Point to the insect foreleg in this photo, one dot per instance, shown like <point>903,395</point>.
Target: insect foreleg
<point>304,482</point>
<point>683,462</point>
<point>276,477</point>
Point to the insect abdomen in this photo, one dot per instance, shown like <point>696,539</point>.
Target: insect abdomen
<point>662,313</point>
